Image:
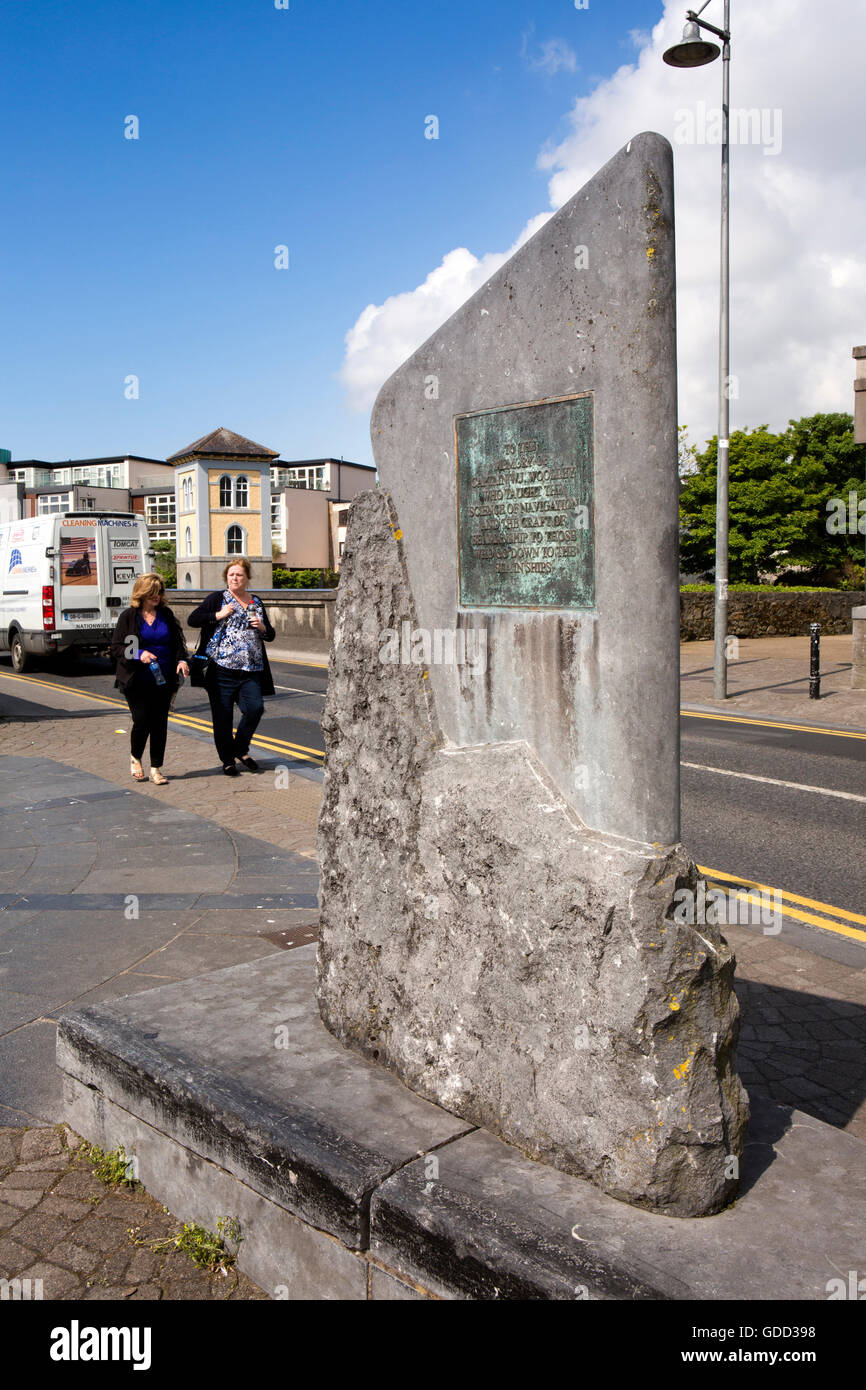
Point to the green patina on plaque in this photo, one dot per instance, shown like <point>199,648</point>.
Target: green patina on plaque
<point>525,505</point>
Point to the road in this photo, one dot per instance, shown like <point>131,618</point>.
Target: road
<point>779,806</point>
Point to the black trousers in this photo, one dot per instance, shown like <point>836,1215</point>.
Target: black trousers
<point>224,689</point>
<point>148,705</point>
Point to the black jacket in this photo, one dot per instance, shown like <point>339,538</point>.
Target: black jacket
<point>205,617</point>
<point>130,623</point>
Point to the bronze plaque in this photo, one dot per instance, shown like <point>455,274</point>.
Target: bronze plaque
<point>525,505</point>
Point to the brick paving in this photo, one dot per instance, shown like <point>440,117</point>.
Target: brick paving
<point>87,1240</point>
<point>803,1028</point>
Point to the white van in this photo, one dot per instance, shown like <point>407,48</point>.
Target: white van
<point>65,580</point>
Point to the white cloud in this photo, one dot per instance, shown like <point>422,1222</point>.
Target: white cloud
<point>798,266</point>
<point>555,56</point>
<point>386,334</point>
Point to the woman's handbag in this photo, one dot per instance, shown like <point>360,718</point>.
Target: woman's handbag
<point>201,667</point>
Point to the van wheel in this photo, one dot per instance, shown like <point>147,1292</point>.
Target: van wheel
<point>20,658</point>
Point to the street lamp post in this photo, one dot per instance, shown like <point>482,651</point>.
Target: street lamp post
<point>693,52</point>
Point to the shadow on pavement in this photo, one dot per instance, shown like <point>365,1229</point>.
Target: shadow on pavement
<point>803,1049</point>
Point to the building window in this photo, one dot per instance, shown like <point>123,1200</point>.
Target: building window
<point>275,516</point>
<point>50,503</point>
<point>241,493</point>
<point>187,535</point>
<point>159,509</point>
<point>225,490</point>
<point>234,541</point>
<point>317,478</point>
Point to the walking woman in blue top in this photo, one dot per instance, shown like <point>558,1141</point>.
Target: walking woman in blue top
<point>235,627</point>
<point>150,654</point>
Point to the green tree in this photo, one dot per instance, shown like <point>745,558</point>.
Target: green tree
<point>165,559</point>
<point>780,487</point>
<point>304,579</point>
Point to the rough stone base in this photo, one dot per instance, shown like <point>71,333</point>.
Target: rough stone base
<point>505,961</point>
<point>347,1186</point>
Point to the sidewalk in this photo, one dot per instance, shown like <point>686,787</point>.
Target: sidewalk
<point>224,871</point>
<point>109,887</point>
<point>316,655</point>
<point>769,679</point>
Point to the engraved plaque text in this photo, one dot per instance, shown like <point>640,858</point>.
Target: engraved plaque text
<point>525,505</point>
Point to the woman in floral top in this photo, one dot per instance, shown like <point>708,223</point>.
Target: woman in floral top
<point>235,627</point>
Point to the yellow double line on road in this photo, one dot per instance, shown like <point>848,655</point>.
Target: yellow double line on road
<point>752,891</point>
<point>773,724</point>
<point>190,721</point>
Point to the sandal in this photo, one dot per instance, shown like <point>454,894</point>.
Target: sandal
<point>157,777</point>
<point>136,769</point>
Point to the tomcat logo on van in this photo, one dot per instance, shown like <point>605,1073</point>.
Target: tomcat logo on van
<point>76,1343</point>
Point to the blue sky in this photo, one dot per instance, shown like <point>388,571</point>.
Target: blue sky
<point>155,257</point>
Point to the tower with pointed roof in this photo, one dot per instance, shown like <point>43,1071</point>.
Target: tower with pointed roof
<point>222,488</point>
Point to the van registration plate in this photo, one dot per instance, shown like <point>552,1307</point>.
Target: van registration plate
<point>80,615</point>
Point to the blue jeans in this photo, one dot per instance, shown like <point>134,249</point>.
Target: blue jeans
<point>224,689</point>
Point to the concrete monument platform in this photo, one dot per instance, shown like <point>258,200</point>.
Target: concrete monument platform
<point>237,1101</point>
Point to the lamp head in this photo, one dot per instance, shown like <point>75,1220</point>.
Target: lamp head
<point>692,51</point>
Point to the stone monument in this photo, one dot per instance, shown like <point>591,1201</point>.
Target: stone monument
<point>499,837</point>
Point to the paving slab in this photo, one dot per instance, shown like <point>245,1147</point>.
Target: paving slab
<point>492,1219</point>
<point>70,929</point>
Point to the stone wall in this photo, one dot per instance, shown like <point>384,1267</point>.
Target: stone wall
<point>776,613</point>
<point>303,618</point>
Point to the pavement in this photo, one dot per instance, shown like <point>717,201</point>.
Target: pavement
<point>769,678</point>
<point>109,887</point>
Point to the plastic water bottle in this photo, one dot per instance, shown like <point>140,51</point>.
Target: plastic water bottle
<point>156,672</point>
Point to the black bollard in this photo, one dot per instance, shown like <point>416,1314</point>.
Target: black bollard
<point>815,661</point>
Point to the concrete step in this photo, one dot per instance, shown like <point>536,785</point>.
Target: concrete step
<point>238,1102</point>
